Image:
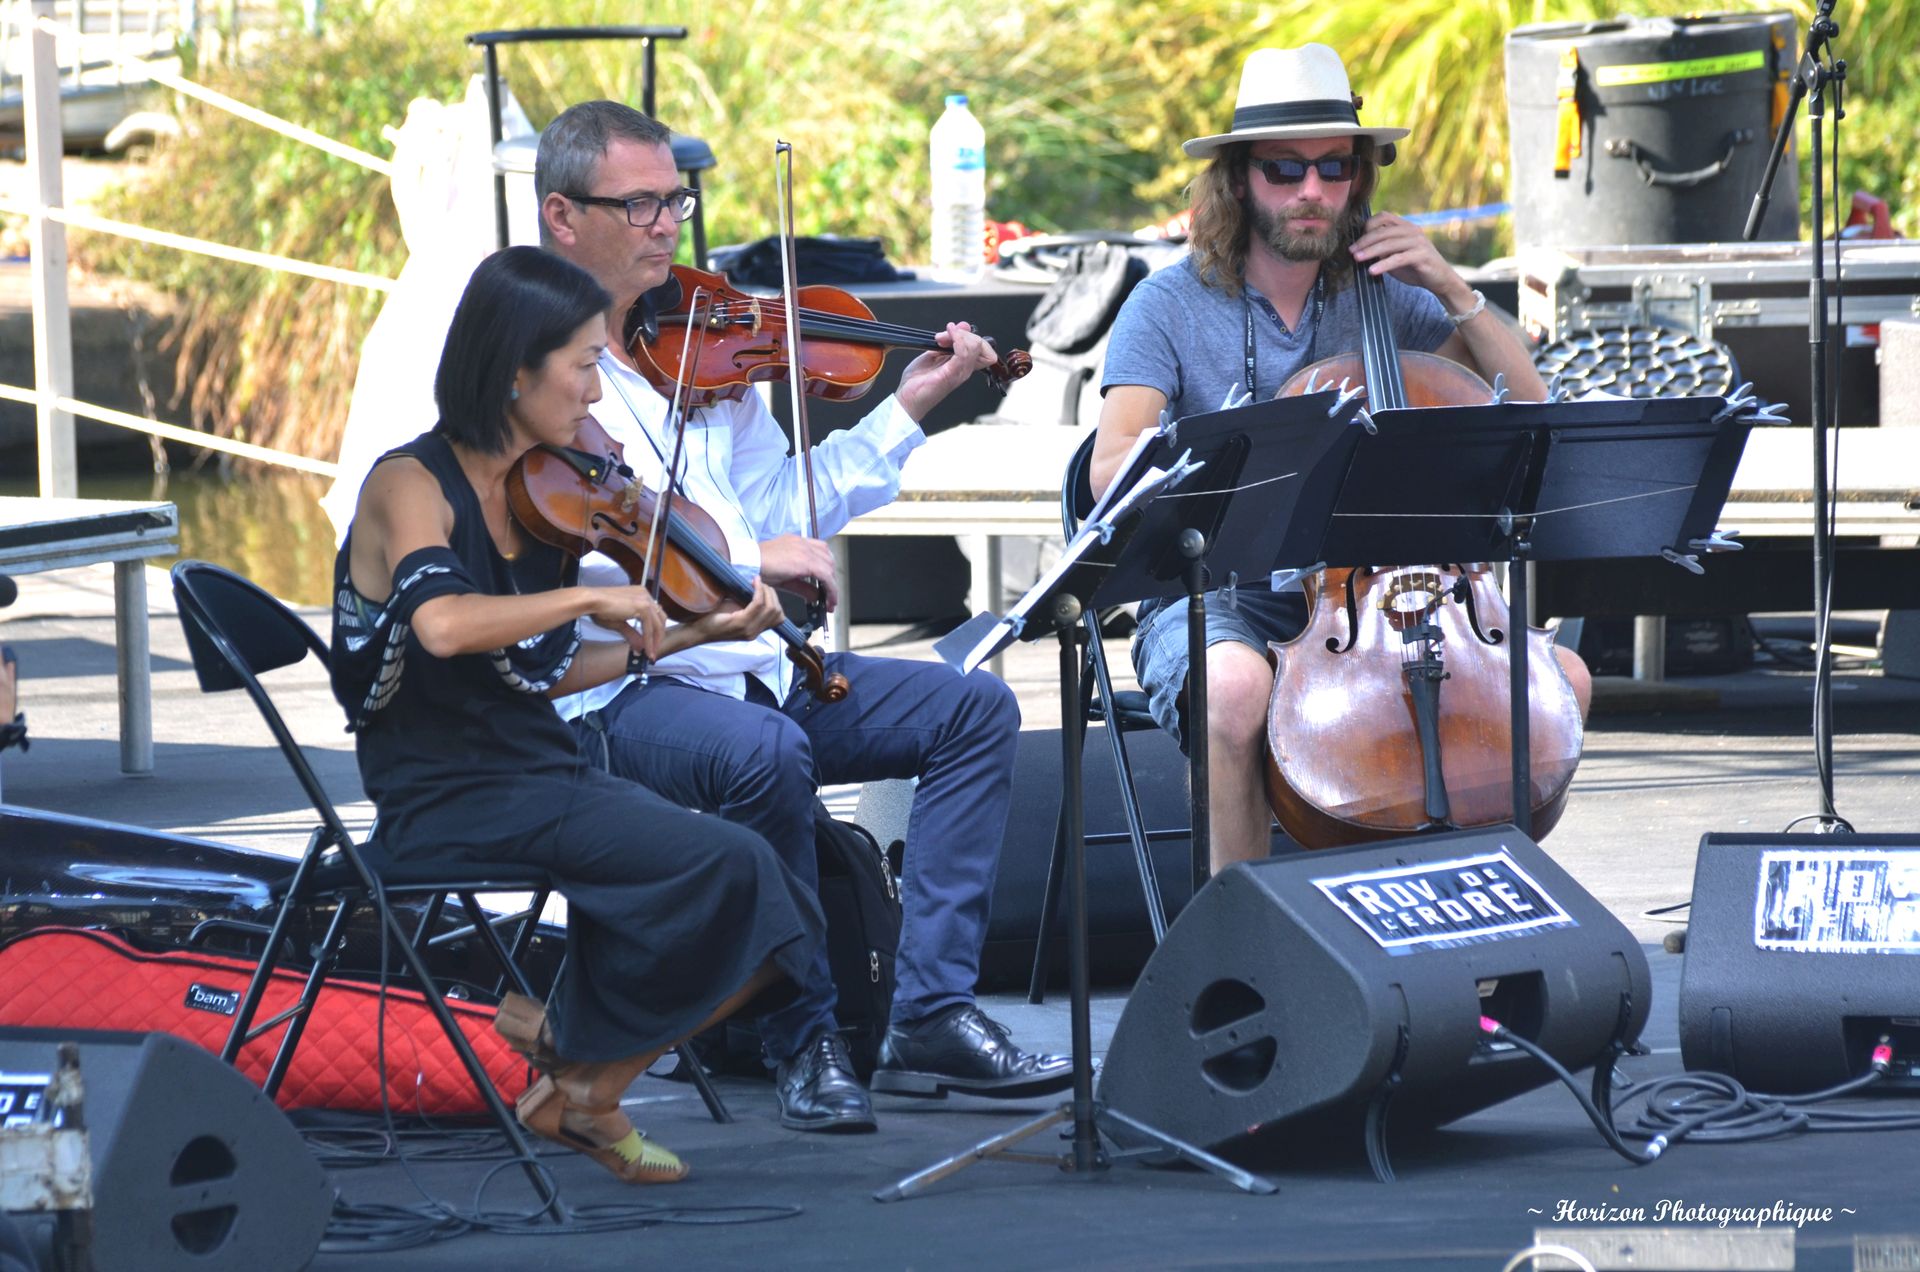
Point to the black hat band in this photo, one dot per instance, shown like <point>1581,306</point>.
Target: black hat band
<point>1278,114</point>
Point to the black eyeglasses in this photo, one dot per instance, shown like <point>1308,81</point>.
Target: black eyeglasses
<point>645,209</point>
<point>1333,169</point>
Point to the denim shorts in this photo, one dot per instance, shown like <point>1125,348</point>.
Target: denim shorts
<point>1160,646</point>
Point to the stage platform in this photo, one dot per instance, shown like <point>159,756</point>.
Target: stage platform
<point>1467,1197</point>
<point>1726,753</point>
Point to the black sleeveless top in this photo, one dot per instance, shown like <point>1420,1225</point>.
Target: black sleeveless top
<point>461,751</point>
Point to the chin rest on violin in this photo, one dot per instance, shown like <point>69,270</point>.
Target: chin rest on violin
<point>746,341</point>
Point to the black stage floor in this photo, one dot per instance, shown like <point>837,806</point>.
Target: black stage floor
<point>1662,765</point>
<point>1468,1196</point>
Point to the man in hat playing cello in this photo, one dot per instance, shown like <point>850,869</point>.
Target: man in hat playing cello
<point>1280,221</point>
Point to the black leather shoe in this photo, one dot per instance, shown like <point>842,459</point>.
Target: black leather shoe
<point>967,1051</point>
<point>818,1090</point>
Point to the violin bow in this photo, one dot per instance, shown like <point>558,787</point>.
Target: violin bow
<point>677,420</point>
<point>797,375</point>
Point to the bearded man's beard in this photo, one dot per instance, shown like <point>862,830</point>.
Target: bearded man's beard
<point>1291,244</point>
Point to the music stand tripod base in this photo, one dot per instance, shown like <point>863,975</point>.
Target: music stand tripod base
<point>1002,1147</point>
<point>1083,1117</point>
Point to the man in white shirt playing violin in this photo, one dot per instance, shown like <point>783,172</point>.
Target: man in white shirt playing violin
<point>726,729</point>
<point>1279,223</point>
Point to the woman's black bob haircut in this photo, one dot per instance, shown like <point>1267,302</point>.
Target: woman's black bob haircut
<point>520,305</point>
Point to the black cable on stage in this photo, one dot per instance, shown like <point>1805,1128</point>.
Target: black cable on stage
<point>1601,1122</point>
<point>377,1227</point>
<point>1714,1108</point>
<point>352,1147</point>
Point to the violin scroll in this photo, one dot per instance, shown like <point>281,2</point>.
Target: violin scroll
<point>1007,367</point>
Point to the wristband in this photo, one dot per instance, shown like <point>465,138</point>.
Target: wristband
<point>1479,306</point>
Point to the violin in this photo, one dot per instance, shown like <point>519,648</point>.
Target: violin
<point>746,340</point>
<point>586,500</point>
<point>1391,712</point>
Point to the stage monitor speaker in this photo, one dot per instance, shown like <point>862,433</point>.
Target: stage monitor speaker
<point>1306,997</point>
<point>193,1168</point>
<point>1802,952</point>
<point>1121,937</point>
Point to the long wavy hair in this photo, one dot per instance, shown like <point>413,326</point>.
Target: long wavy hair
<point>1220,228</point>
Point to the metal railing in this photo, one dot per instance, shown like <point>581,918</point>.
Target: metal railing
<point>37,30</point>
<point>105,33</point>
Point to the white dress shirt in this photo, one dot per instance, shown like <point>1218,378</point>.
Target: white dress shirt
<point>735,466</point>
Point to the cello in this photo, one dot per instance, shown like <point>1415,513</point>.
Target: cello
<point>1391,711</point>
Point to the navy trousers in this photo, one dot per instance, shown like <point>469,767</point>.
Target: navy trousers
<point>758,763</point>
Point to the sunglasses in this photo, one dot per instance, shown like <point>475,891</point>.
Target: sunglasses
<point>1333,169</point>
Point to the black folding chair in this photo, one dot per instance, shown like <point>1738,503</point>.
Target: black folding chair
<point>1124,711</point>
<point>235,631</point>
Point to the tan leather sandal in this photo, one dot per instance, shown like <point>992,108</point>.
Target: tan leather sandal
<point>522,1023</point>
<point>603,1134</point>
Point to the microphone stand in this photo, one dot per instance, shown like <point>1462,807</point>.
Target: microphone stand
<point>1811,81</point>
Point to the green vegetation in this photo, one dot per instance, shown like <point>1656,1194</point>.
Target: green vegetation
<point>1085,103</point>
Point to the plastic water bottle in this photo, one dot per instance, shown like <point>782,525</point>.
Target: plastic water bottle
<point>959,155</point>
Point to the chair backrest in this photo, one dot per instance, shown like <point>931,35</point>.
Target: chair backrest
<point>1076,488</point>
<point>236,630</point>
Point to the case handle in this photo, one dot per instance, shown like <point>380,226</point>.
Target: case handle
<point>1627,148</point>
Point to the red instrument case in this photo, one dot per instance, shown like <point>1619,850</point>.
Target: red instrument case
<point>85,979</point>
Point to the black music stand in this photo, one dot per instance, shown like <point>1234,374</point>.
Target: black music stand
<point>1540,481</point>
<point>1292,454</point>
<point>1292,451</point>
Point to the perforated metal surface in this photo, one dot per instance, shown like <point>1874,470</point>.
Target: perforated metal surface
<point>1640,362</point>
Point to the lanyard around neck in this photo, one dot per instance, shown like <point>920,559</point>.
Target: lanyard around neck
<point>1313,340</point>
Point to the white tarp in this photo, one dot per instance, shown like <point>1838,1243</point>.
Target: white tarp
<point>443,190</point>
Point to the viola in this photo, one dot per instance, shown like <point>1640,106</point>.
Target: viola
<point>746,340</point>
<point>1391,712</point>
<point>584,499</point>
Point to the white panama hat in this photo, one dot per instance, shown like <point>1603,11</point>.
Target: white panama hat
<point>1299,92</point>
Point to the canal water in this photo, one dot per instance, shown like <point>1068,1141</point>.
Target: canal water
<point>267,526</point>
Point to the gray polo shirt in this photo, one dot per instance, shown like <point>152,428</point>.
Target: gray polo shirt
<point>1189,340</point>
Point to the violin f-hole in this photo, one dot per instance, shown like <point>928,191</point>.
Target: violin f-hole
<point>630,530</point>
<point>1487,635</point>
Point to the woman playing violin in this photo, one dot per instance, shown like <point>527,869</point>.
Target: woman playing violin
<point>452,630</point>
<point>723,727</point>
